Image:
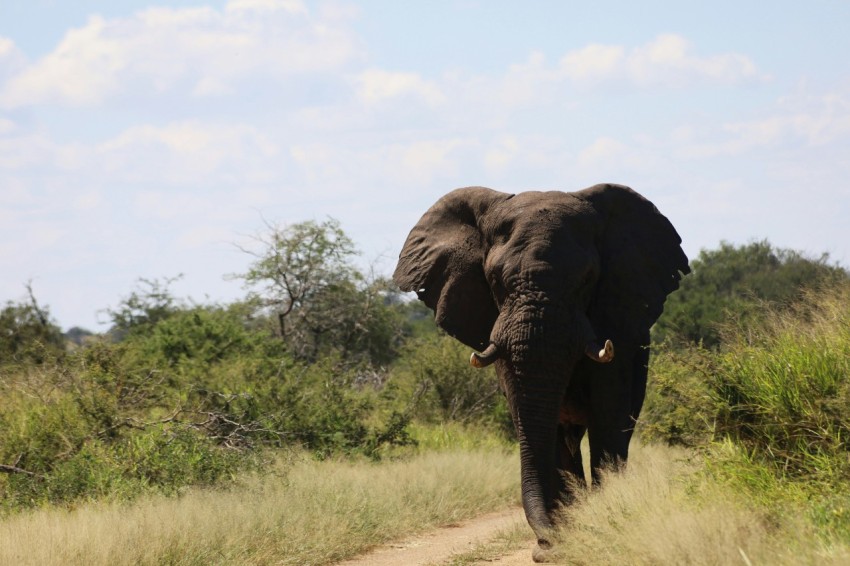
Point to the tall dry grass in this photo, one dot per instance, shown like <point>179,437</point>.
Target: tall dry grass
<point>313,513</point>
<point>664,510</point>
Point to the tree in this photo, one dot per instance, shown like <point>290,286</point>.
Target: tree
<point>27,332</point>
<point>303,276</point>
<point>733,280</point>
<point>151,302</point>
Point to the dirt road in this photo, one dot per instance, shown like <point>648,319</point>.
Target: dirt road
<point>497,538</point>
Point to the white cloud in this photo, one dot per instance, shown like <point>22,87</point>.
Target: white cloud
<point>594,62</point>
<point>88,200</point>
<point>190,52</point>
<point>376,86</point>
<point>186,152</point>
<point>6,126</point>
<point>500,156</point>
<point>328,168</point>
<point>665,62</point>
<point>260,6</point>
<point>603,150</point>
<point>802,119</point>
<point>204,235</point>
<point>11,58</point>
<point>83,69</point>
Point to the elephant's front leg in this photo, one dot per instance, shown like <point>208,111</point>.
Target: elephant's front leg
<point>570,466</point>
<point>610,423</point>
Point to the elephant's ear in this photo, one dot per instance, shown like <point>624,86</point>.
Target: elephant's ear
<point>641,262</point>
<point>443,261</point>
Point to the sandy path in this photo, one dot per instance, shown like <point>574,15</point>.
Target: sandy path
<point>516,558</point>
<point>439,546</point>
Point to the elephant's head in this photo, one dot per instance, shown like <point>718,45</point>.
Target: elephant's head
<point>537,281</point>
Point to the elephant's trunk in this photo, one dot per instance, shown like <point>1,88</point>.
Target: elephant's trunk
<point>535,403</point>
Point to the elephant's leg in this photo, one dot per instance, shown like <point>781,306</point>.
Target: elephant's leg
<point>570,467</point>
<point>610,424</point>
<point>609,447</point>
<point>617,402</point>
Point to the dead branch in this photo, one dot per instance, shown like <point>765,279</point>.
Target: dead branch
<point>6,469</point>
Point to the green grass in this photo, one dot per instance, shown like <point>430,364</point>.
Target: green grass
<point>451,435</point>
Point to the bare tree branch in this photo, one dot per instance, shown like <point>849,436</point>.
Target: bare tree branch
<point>6,469</point>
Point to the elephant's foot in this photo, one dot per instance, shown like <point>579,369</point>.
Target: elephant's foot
<point>542,552</point>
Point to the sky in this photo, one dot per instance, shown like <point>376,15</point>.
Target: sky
<point>146,139</point>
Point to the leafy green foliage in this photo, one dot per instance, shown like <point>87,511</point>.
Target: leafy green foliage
<point>436,373</point>
<point>151,302</point>
<point>304,277</point>
<point>77,431</point>
<point>770,406</point>
<point>197,396</point>
<point>778,388</point>
<point>738,279</point>
<point>27,334</point>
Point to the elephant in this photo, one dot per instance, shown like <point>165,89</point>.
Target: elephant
<point>558,291</point>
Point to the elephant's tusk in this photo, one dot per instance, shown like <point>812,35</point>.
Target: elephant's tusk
<point>485,358</point>
<point>602,355</point>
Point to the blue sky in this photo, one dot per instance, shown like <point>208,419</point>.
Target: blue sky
<point>144,139</point>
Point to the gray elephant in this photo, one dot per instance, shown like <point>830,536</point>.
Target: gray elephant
<point>559,291</point>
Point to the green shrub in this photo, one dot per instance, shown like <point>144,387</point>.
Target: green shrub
<point>778,389</point>
<point>435,370</point>
<point>173,407</point>
<point>679,407</point>
<point>27,334</point>
<point>739,280</point>
<point>785,387</point>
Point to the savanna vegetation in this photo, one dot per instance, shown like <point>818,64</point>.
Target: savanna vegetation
<point>325,413</point>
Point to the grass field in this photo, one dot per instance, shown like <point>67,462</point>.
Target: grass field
<point>667,509</point>
<point>311,512</point>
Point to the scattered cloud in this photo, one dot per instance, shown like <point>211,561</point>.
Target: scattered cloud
<point>189,152</point>
<point>376,86</point>
<point>11,58</point>
<point>667,61</point>
<point>189,52</point>
<point>803,119</point>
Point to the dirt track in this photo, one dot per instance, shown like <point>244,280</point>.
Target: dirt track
<point>443,545</point>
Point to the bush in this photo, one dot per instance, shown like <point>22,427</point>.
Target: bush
<point>435,371</point>
<point>779,388</point>
<point>739,280</point>
<point>82,430</point>
<point>27,334</point>
<point>196,397</point>
<point>785,386</point>
<point>679,407</point>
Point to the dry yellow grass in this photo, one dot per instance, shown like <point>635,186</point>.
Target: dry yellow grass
<point>662,511</point>
<point>315,513</point>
